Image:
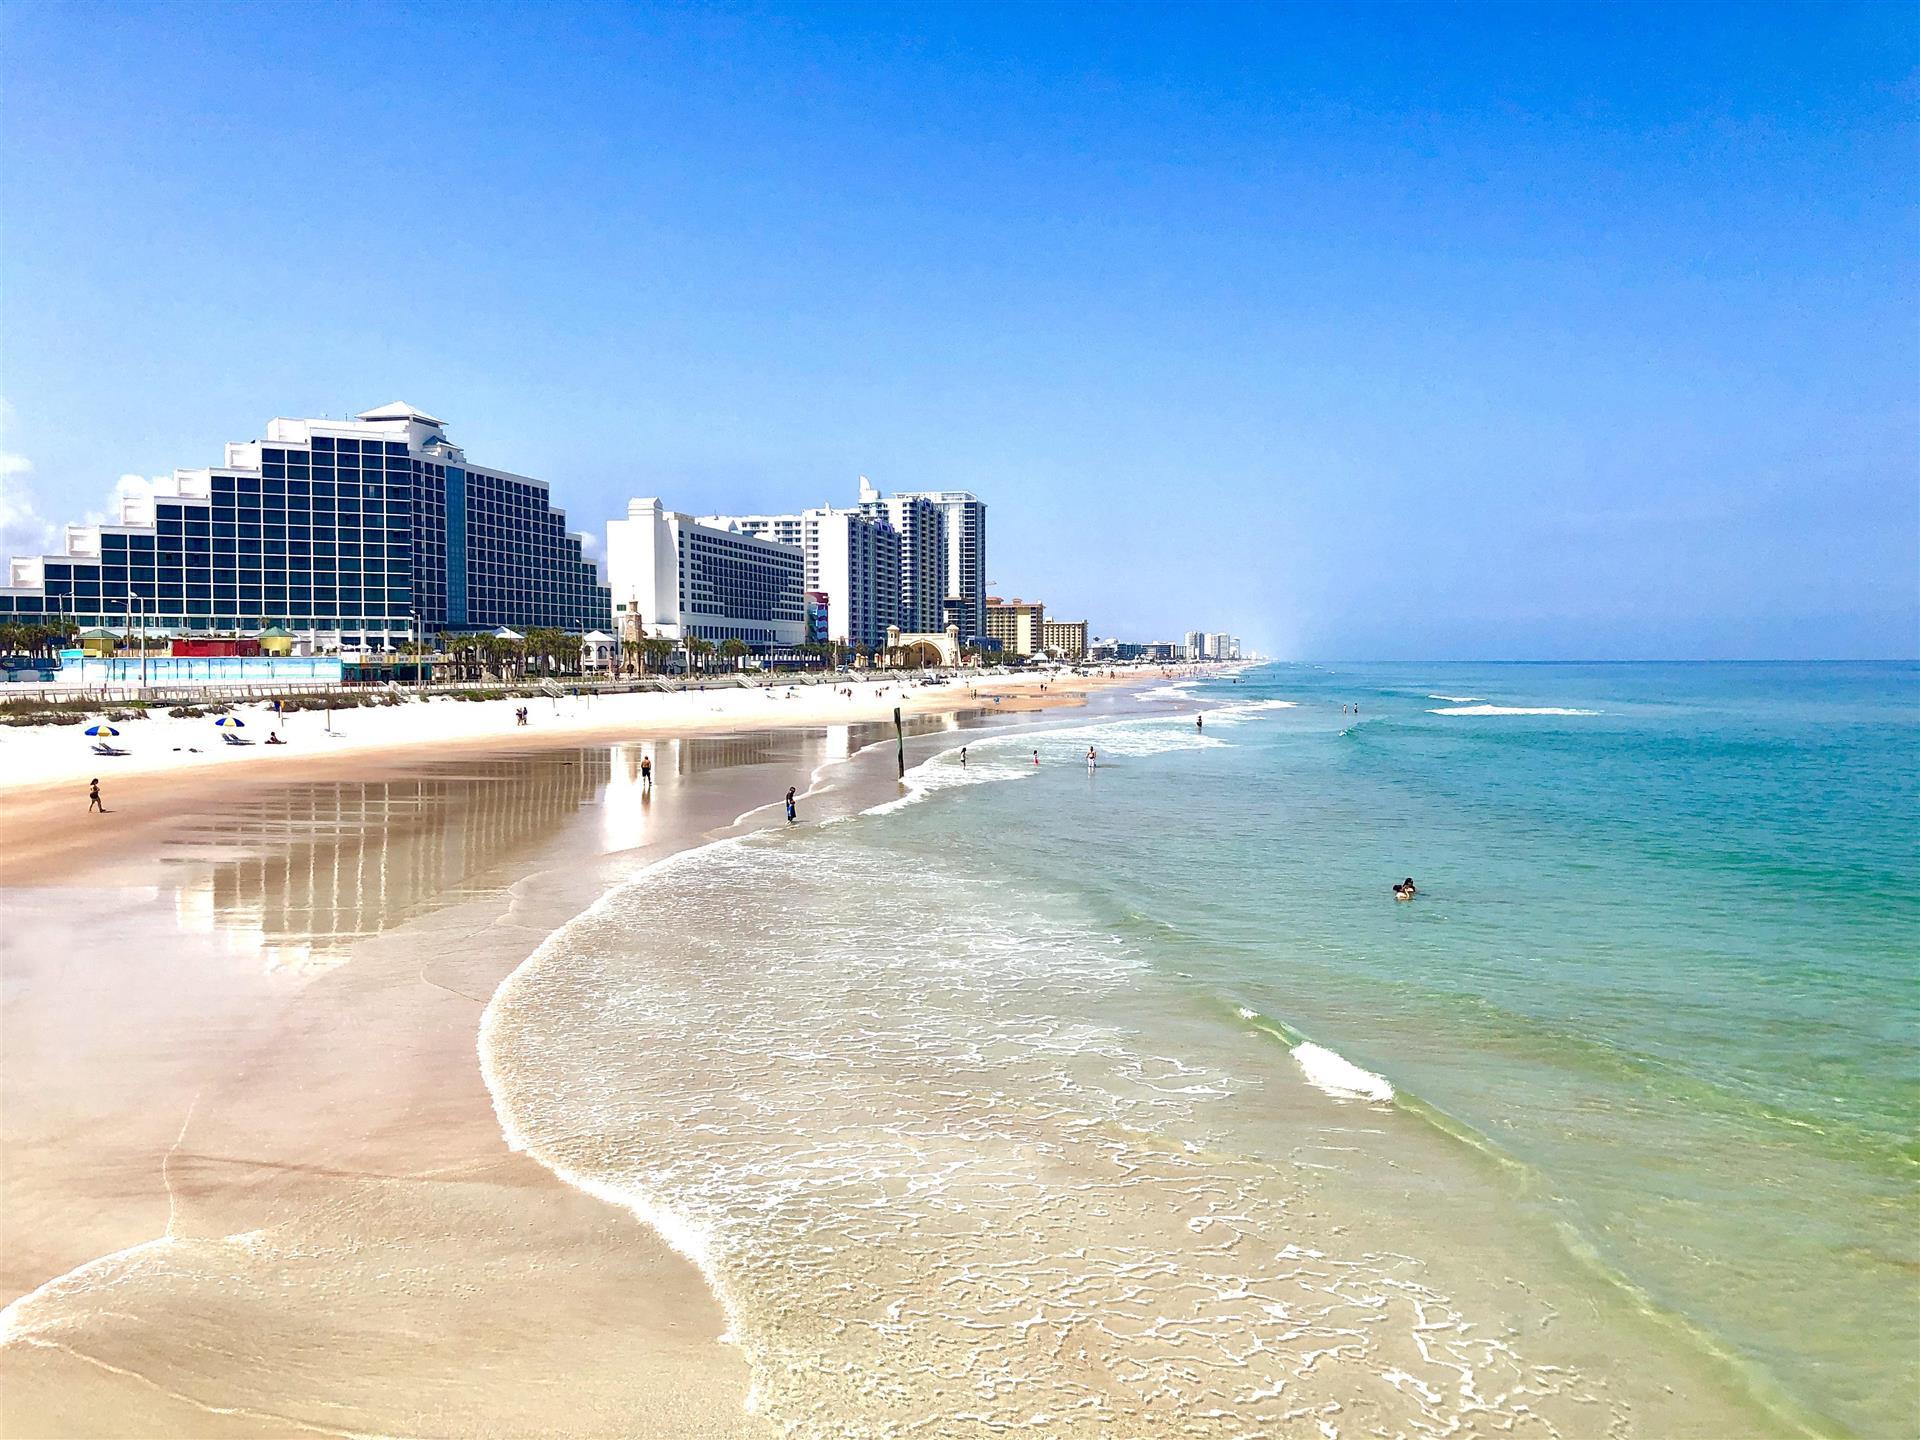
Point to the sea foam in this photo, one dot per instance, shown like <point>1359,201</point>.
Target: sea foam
<point>1511,710</point>
<point>1338,1076</point>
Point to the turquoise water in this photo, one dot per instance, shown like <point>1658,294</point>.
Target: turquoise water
<point>1064,1101</point>
<point>1664,952</point>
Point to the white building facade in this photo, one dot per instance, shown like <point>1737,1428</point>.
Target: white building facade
<point>850,557</point>
<point>688,580</point>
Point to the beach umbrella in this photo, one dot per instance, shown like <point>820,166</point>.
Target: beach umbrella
<point>101,730</point>
<point>233,720</point>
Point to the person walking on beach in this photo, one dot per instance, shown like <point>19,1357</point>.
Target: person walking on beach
<point>93,798</point>
<point>791,815</point>
<point>646,772</point>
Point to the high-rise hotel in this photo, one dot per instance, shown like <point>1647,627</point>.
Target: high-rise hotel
<point>360,532</point>
<point>914,560</point>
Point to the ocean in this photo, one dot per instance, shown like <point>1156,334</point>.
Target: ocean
<point>1052,1099</point>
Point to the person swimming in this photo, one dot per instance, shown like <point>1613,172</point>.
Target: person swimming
<point>1405,890</point>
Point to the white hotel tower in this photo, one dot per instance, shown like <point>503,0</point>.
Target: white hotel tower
<point>851,557</point>
<point>685,579</point>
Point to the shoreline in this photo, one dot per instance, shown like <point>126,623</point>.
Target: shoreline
<point>691,1150</point>
<point>308,1129</point>
<point>45,827</point>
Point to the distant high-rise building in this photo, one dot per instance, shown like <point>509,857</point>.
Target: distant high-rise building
<point>964,516</point>
<point>688,580</point>
<point>1216,645</point>
<point>851,557</point>
<point>855,559</point>
<point>361,532</point>
<point>1019,625</point>
<point>1195,645</point>
<point>1065,638</point>
<point>922,527</point>
<point>787,529</point>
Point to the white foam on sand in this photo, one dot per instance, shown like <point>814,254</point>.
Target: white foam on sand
<point>681,1232</point>
<point>1008,755</point>
<point>1511,710</point>
<point>1338,1076</point>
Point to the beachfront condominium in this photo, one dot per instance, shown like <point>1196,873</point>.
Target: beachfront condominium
<point>1219,646</point>
<point>852,566</point>
<point>964,517</point>
<point>1019,625</point>
<point>922,527</point>
<point>679,578</point>
<point>353,533</point>
<point>1194,646</point>
<point>1066,639</point>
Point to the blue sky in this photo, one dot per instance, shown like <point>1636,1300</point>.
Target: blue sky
<point>1363,333</point>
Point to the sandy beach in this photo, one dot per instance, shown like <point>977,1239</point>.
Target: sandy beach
<point>254,1183</point>
<point>169,762</point>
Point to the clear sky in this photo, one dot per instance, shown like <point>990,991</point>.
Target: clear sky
<point>1413,332</point>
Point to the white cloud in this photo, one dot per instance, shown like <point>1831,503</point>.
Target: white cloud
<point>589,545</point>
<point>23,529</point>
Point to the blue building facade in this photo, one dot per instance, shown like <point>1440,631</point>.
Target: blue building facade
<point>357,533</point>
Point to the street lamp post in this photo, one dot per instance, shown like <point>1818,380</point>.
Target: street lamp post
<point>141,602</point>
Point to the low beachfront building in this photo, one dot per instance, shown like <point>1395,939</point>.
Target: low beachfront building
<point>353,534</point>
<point>676,577</point>
<point>1066,639</point>
<point>1019,625</point>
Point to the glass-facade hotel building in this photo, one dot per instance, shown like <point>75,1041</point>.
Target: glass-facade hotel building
<point>359,532</point>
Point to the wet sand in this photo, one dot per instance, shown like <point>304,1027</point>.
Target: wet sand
<point>46,831</point>
<point>253,1181</point>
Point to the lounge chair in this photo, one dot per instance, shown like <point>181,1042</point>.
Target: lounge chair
<point>103,748</point>
<point>233,739</point>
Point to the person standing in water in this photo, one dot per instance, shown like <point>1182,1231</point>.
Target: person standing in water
<point>792,816</point>
<point>1091,757</point>
<point>1036,757</point>
<point>963,757</point>
<point>1199,722</point>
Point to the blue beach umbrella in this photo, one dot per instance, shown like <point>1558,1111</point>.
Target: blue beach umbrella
<point>233,720</point>
<point>101,730</point>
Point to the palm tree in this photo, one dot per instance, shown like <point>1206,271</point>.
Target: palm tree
<point>700,649</point>
<point>735,650</point>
